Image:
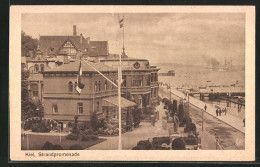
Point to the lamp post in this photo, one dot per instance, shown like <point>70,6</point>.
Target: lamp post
<point>202,115</point>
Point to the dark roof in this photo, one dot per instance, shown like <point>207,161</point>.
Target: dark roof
<point>74,67</point>
<point>94,48</point>
<point>98,48</point>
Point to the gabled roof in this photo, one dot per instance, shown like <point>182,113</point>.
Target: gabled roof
<point>94,48</point>
<point>74,67</point>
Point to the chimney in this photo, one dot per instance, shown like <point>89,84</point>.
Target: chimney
<point>80,39</point>
<point>88,39</point>
<point>74,30</point>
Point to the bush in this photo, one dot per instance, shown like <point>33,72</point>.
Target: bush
<point>168,102</point>
<point>164,100</point>
<point>191,140</point>
<point>161,140</point>
<point>187,120</point>
<point>193,127</point>
<point>76,147</point>
<point>47,146</point>
<point>57,147</point>
<point>41,128</point>
<point>88,132</point>
<point>72,136</point>
<point>144,145</point>
<point>178,144</point>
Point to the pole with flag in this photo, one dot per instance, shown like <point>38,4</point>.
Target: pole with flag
<point>80,85</point>
<point>121,23</point>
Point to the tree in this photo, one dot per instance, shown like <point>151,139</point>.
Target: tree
<point>94,121</point>
<point>29,107</point>
<point>29,45</point>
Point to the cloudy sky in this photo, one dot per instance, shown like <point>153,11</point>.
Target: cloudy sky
<point>177,37</point>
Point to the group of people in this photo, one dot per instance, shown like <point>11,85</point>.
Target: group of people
<point>220,111</point>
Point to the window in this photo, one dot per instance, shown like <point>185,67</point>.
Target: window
<point>98,106</point>
<point>154,92</point>
<point>34,88</point>
<point>155,77</point>
<point>36,68</point>
<point>52,49</point>
<point>149,80</point>
<point>113,86</point>
<point>70,86</point>
<point>105,85</point>
<point>80,108</point>
<point>95,86</point>
<point>76,84</point>
<point>42,87</point>
<point>54,108</point>
<point>138,80</point>
<point>99,86</point>
<point>124,81</point>
<point>151,92</point>
<point>42,67</point>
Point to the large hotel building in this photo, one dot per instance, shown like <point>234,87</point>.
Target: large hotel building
<point>53,79</point>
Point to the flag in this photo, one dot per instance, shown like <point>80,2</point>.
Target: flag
<point>80,85</point>
<point>121,22</point>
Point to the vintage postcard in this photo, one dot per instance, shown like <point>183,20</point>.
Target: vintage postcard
<point>132,83</point>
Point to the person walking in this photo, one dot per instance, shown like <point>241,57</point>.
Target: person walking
<point>217,112</point>
<point>244,122</point>
<point>225,110</point>
<point>205,107</point>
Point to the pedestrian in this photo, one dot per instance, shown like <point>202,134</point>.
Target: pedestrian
<point>225,110</point>
<point>244,122</point>
<point>217,112</point>
<point>205,107</point>
<point>176,122</point>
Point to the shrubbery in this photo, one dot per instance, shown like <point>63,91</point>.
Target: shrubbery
<point>143,145</point>
<point>72,136</point>
<point>47,146</point>
<point>41,128</point>
<point>50,146</point>
<point>191,127</point>
<point>179,144</point>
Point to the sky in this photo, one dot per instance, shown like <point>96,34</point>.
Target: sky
<point>182,38</point>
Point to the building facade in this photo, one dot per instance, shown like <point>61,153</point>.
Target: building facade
<point>53,79</point>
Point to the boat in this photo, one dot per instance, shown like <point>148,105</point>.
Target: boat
<point>169,73</point>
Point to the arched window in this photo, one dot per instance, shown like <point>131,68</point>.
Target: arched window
<point>42,67</point>
<point>99,86</point>
<point>70,86</point>
<point>105,85</point>
<point>95,86</point>
<point>76,84</point>
<point>36,68</point>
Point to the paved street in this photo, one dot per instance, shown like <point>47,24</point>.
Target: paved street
<point>229,138</point>
<point>145,131</point>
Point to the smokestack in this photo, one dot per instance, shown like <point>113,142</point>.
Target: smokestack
<point>74,30</point>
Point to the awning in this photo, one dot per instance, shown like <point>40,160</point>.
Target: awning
<point>114,101</point>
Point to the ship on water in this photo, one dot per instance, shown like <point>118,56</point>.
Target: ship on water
<point>169,73</point>
<point>227,66</point>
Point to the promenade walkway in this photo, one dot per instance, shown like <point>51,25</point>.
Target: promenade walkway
<point>229,119</point>
<point>146,131</point>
